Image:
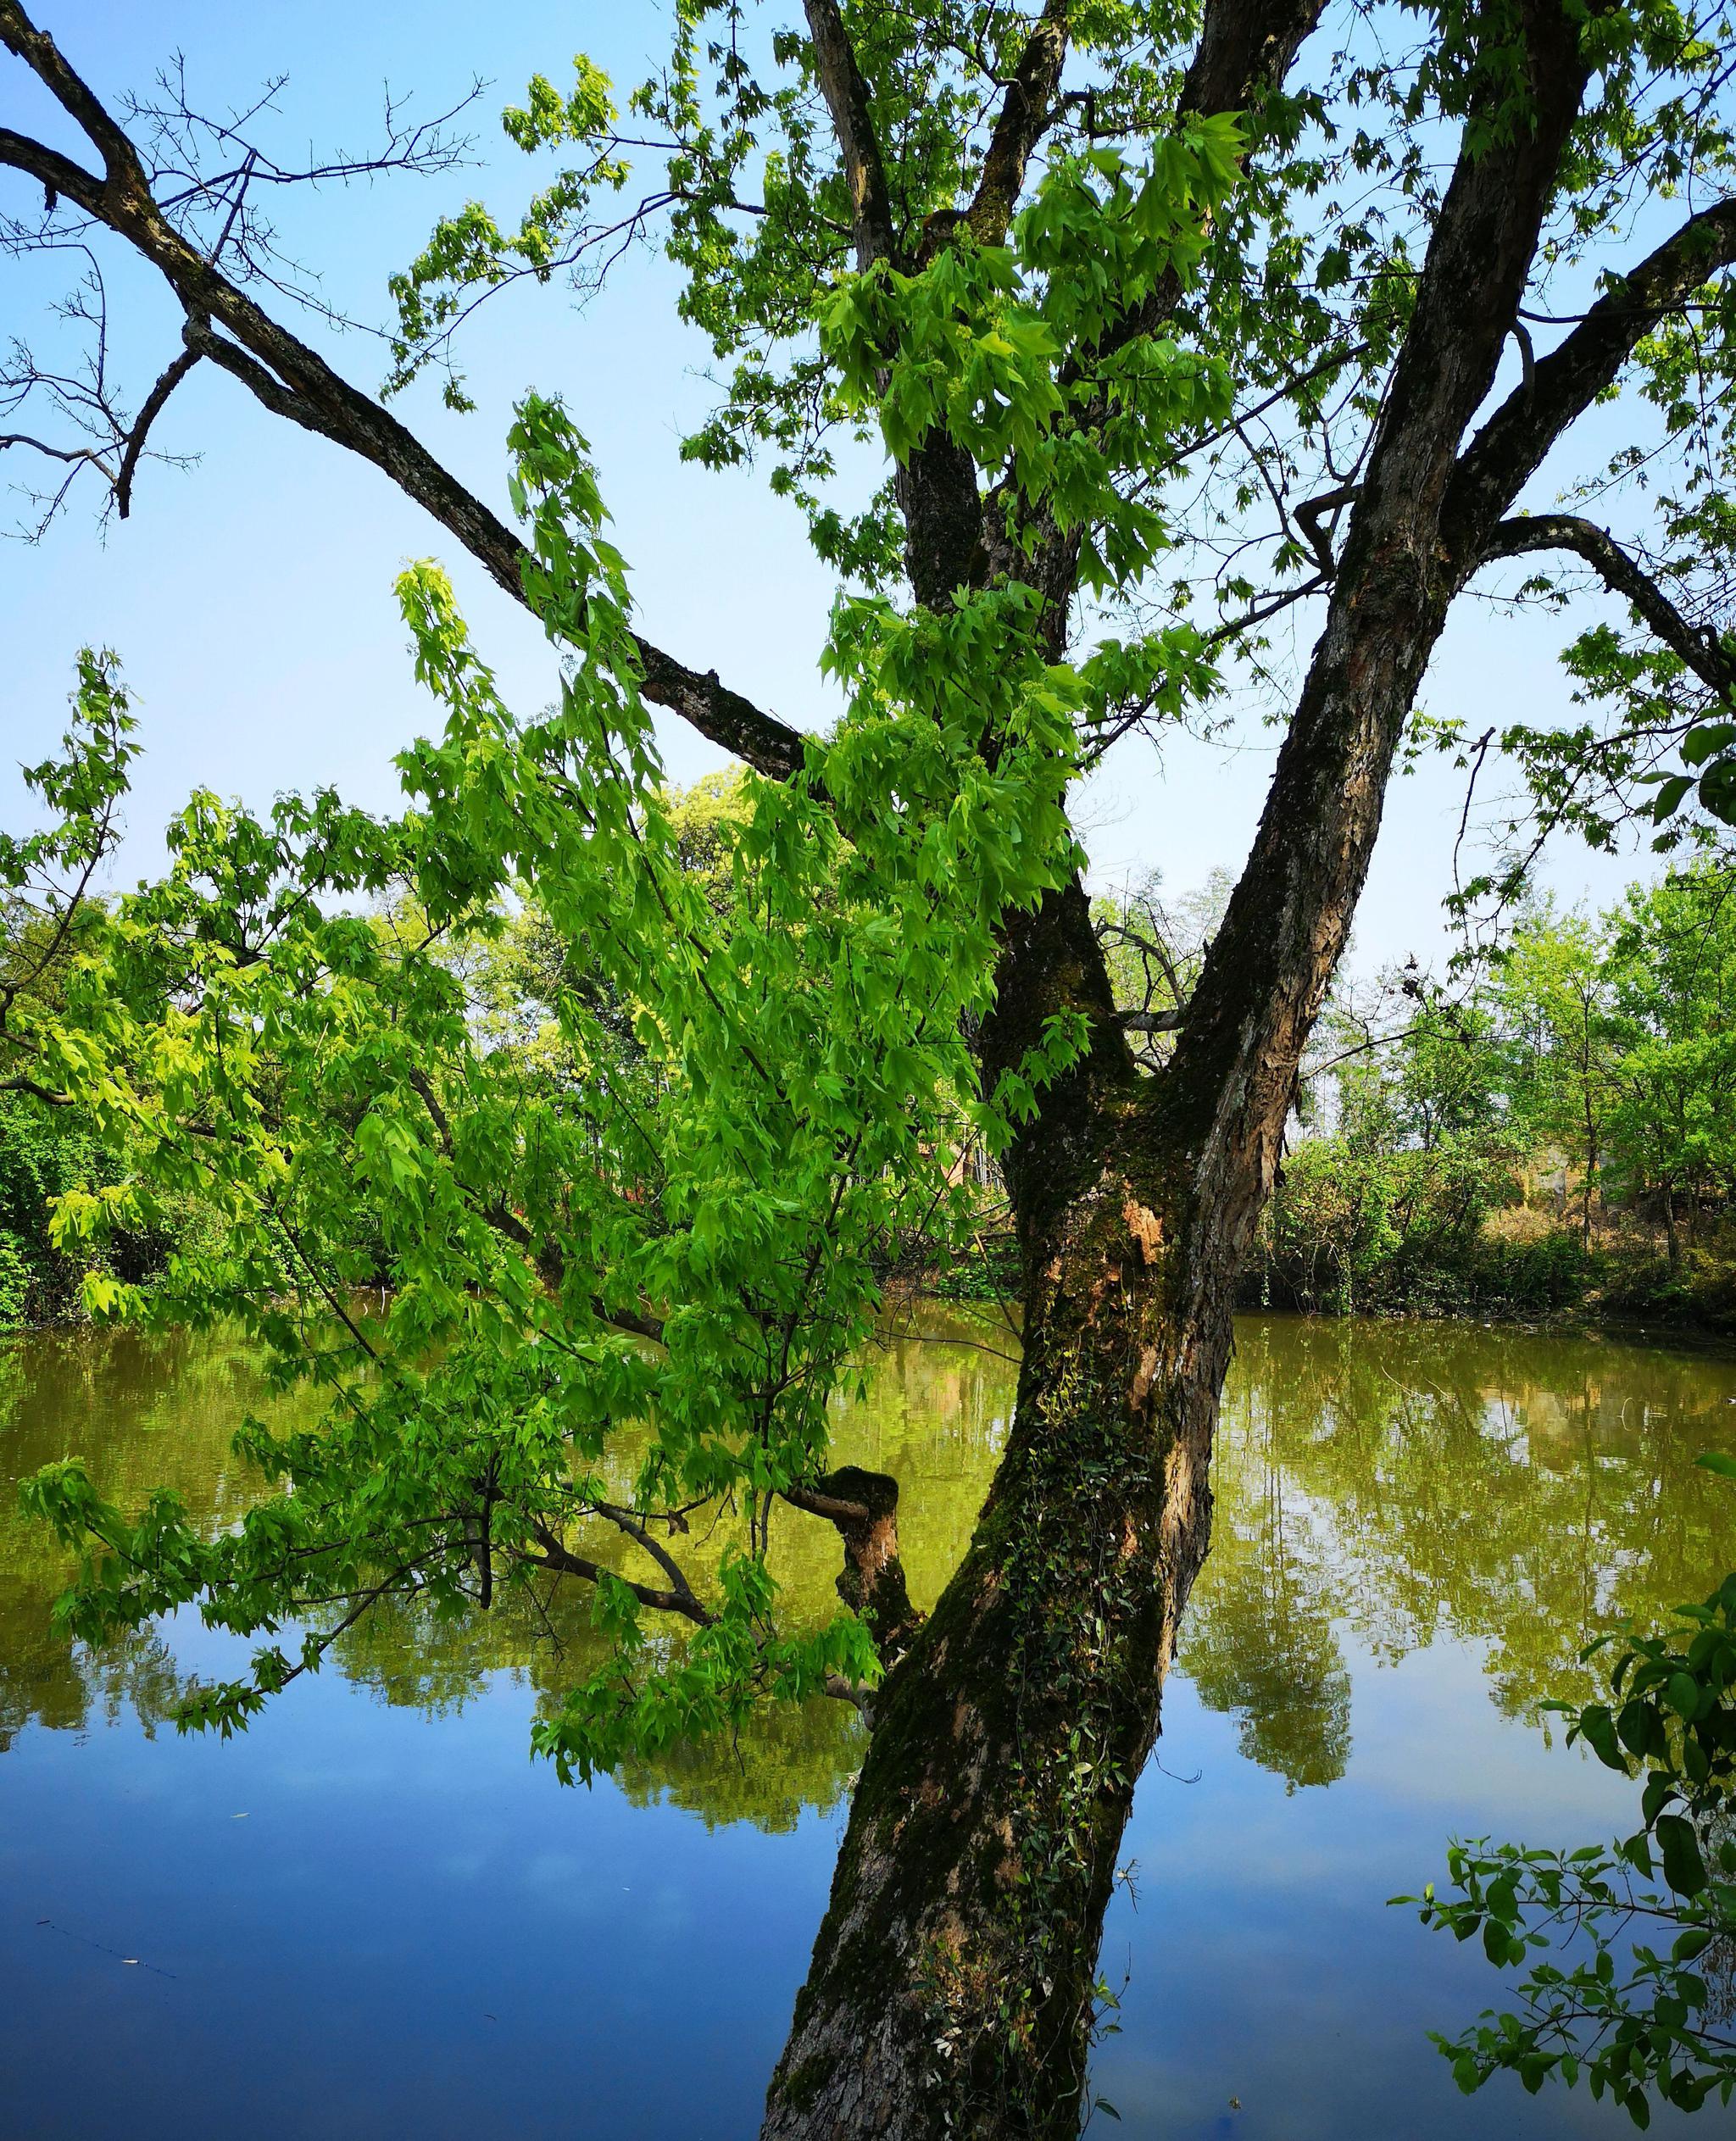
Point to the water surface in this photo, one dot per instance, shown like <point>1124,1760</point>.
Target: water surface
<point>373,1915</point>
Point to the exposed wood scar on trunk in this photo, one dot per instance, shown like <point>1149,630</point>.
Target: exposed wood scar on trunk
<point>1146,1228</point>
<point>1142,1380</point>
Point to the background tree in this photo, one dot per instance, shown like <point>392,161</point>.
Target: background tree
<point>50,1147</point>
<point>1412,1144</point>
<point>1155,945</point>
<point>1672,982</point>
<point>1554,994</point>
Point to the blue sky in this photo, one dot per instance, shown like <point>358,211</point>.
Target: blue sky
<point>250,598</point>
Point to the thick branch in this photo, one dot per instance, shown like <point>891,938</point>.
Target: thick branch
<point>1310,516</point>
<point>556,1556</point>
<point>294,381</point>
<point>935,483</point>
<point>172,376</point>
<point>625,1520</point>
<point>54,173</point>
<point>1702,648</point>
<point>1053,960</point>
<point>31,1090</point>
<point>45,61</point>
<point>1024,115</point>
<point>1245,50</point>
<point>1233,1077</point>
<point>845,95</point>
<point>1509,449</point>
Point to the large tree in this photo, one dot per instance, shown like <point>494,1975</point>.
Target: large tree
<point>1167,320</point>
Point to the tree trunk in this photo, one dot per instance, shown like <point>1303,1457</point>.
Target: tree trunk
<point>950,1991</point>
<point>951,1987</point>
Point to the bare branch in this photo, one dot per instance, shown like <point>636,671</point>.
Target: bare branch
<point>1151,949</point>
<point>171,378</point>
<point>1509,449</point>
<point>80,453</point>
<point>1702,648</point>
<point>293,380</point>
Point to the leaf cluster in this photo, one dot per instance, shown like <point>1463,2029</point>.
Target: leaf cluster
<point>1616,1987</point>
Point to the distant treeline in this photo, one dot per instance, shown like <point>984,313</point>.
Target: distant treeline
<point>1559,1135</point>
<point>1562,1135</point>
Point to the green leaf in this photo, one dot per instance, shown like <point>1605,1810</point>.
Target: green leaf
<point>1706,740</point>
<point>1683,1694</point>
<point>1683,1867</point>
<point>1597,1727</point>
<point>1717,790</point>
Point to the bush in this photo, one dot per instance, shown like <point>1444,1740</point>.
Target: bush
<point>1351,1226</point>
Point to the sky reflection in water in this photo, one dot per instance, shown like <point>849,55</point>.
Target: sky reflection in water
<point>373,1915</point>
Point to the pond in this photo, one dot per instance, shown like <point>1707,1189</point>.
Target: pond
<point>372,1914</point>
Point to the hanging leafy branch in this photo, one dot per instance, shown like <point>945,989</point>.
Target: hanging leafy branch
<point>688,1237</point>
<point>1617,1985</point>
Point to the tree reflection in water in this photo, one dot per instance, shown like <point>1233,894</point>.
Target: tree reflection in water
<point>1377,1485</point>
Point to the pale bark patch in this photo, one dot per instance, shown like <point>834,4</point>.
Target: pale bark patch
<point>1146,1228</point>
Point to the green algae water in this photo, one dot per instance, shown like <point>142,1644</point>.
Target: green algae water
<point>372,1915</point>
